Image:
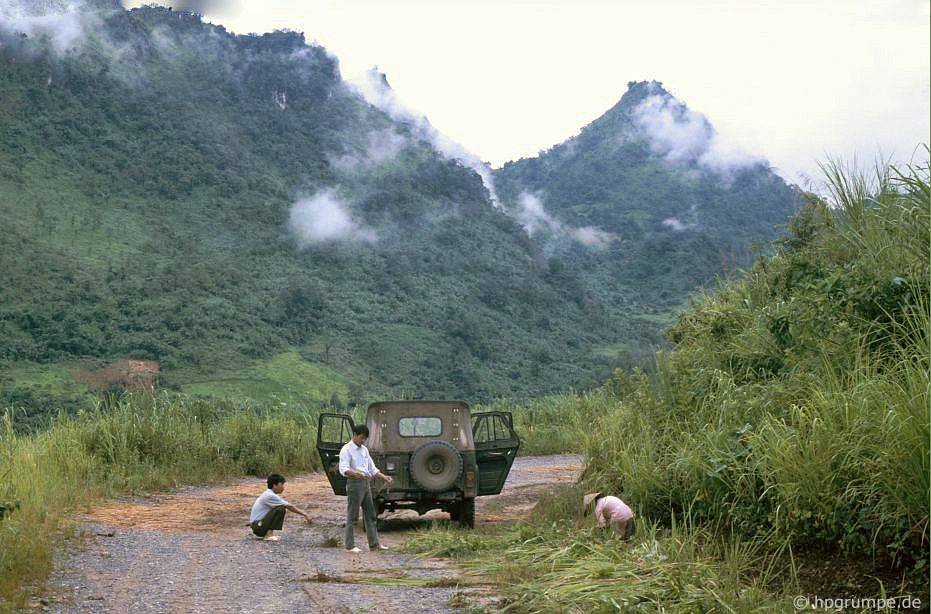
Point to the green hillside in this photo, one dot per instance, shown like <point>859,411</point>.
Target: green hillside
<point>156,178</point>
<point>650,172</point>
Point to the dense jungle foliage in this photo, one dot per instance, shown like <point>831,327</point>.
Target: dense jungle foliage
<point>147,174</point>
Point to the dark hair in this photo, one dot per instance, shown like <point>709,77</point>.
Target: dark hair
<point>275,478</point>
<point>361,429</point>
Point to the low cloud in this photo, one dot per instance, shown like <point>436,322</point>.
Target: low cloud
<point>373,87</point>
<point>324,218</point>
<point>682,135</point>
<point>675,225</point>
<point>590,236</point>
<point>65,24</point>
<point>382,145</point>
<point>534,218</point>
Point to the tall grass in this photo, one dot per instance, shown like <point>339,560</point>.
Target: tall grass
<point>796,399</point>
<point>136,444</point>
<point>554,424</point>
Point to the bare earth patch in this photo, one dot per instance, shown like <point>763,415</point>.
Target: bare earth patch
<point>191,551</point>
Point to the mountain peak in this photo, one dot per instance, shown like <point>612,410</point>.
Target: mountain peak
<point>638,90</point>
<point>635,96</point>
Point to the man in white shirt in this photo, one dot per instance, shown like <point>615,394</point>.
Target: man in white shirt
<point>268,510</point>
<point>357,466</point>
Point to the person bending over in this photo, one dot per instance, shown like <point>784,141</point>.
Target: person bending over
<point>357,466</point>
<point>268,510</point>
<point>609,511</point>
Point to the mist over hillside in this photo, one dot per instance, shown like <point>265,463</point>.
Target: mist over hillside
<point>229,207</point>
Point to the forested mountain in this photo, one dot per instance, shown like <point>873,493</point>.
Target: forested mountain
<point>678,204</point>
<point>229,207</point>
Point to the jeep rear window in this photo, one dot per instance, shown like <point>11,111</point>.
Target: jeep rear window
<point>426,426</point>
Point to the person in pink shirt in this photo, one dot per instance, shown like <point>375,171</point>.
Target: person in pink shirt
<point>609,511</point>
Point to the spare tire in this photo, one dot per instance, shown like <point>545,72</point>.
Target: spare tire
<point>436,466</point>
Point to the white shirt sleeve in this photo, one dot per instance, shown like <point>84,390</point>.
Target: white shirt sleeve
<point>344,460</point>
<point>371,469</point>
<point>274,500</point>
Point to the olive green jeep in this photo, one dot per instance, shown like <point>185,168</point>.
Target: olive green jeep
<point>440,455</point>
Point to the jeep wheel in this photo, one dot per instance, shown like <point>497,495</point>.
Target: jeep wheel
<point>466,513</point>
<point>436,466</point>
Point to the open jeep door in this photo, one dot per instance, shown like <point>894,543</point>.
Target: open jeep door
<point>333,431</point>
<point>496,445</point>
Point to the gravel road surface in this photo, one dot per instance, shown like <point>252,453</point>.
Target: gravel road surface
<point>190,551</point>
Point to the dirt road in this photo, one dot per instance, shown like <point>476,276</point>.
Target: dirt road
<point>190,551</point>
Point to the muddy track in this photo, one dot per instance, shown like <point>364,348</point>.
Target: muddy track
<point>190,551</point>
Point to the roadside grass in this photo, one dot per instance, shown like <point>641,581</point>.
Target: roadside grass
<point>568,565</point>
<point>137,444</point>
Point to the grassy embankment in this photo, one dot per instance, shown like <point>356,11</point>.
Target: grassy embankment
<point>788,426</point>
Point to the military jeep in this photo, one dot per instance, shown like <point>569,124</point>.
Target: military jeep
<point>440,455</point>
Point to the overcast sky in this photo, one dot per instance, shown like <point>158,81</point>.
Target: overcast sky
<point>789,80</point>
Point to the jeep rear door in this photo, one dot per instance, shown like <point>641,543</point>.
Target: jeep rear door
<point>333,431</point>
<point>496,445</point>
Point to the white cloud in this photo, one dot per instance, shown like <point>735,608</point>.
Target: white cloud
<point>675,225</point>
<point>323,218</point>
<point>534,218</point>
<point>66,24</point>
<point>683,135</point>
<point>590,236</point>
<point>374,88</point>
<point>382,145</point>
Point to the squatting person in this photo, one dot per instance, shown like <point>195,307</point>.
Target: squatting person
<point>356,465</point>
<point>609,511</point>
<point>268,510</point>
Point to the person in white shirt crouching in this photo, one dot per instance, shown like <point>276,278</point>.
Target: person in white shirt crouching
<point>357,466</point>
<point>268,510</point>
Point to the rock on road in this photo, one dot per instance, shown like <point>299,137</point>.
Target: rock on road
<point>190,551</point>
